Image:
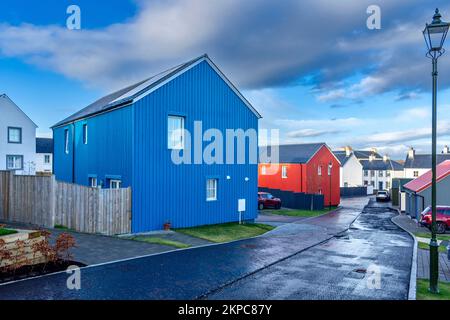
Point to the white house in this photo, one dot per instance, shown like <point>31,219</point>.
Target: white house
<point>418,164</point>
<point>351,170</point>
<point>17,138</point>
<point>44,155</point>
<point>380,172</point>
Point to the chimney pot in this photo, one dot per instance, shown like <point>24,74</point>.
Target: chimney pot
<point>411,153</point>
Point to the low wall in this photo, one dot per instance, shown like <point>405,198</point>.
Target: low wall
<point>20,245</point>
<point>297,200</point>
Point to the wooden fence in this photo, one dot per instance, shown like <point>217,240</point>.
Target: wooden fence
<point>43,201</point>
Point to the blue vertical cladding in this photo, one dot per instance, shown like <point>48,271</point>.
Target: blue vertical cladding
<point>164,191</point>
<point>62,161</point>
<point>107,152</point>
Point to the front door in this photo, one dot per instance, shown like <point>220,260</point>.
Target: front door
<point>380,185</point>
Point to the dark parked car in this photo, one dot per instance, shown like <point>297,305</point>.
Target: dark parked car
<point>442,218</point>
<point>383,195</point>
<point>266,200</point>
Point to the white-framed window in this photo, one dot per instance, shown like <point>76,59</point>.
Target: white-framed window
<point>115,184</point>
<point>388,173</point>
<point>319,170</point>
<point>211,189</point>
<point>93,182</point>
<point>329,170</point>
<point>366,173</point>
<point>416,173</point>
<point>175,132</point>
<point>66,141</point>
<point>380,173</point>
<point>263,170</point>
<point>284,173</point>
<point>14,162</point>
<point>14,135</point>
<point>46,158</point>
<point>85,133</point>
<point>372,173</point>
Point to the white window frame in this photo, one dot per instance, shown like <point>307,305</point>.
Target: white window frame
<point>15,158</point>
<point>115,181</point>
<point>319,170</point>
<point>263,170</point>
<point>93,182</point>
<point>284,173</point>
<point>66,141</point>
<point>172,142</point>
<point>17,129</point>
<point>211,189</point>
<point>47,156</point>
<point>380,174</point>
<point>85,133</point>
<point>415,173</point>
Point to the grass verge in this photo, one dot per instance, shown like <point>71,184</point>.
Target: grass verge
<point>422,292</point>
<point>5,232</point>
<point>226,232</point>
<point>300,213</point>
<point>443,237</point>
<point>426,246</point>
<point>161,241</point>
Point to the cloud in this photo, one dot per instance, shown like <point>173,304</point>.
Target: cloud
<point>311,133</point>
<point>259,44</point>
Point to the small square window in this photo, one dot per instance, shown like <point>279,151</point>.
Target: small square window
<point>47,159</point>
<point>263,170</point>
<point>211,190</point>
<point>93,182</point>
<point>115,184</point>
<point>14,135</point>
<point>284,173</point>
<point>14,162</point>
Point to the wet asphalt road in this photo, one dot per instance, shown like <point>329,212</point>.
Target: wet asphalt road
<point>335,269</point>
<point>302,260</point>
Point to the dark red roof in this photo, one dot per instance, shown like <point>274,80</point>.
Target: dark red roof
<point>424,181</point>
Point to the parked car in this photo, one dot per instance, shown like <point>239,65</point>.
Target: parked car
<point>383,195</point>
<point>442,218</point>
<point>266,200</point>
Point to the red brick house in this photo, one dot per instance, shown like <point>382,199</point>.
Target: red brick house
<point>308,168</point>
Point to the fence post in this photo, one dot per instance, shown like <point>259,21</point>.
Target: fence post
<point>52,200</point>
<point>9,195</point>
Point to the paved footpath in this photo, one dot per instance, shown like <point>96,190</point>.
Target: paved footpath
<point>193,273</point>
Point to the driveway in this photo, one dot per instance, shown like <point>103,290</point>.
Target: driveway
<point>202,272</point>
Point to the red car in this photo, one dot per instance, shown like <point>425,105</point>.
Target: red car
<point>266,200</point>
<point>442,218</point>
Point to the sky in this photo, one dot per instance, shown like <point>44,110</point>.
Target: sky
<point>312,68</point>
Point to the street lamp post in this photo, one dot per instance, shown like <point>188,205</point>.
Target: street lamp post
<point>434,35</point>
<point>330,166</point>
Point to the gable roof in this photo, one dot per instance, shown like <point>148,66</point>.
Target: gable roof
<point>364,154</point>
<point>424,181</point>
<point>342,157</point>
<point>44,145</point>
<point>423,161</point>
<point>139,90</point>
<point>5,96</point>
<point>295,153</point>
<point>380,164</point>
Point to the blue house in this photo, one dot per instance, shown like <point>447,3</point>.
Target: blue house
<point>129,139</point>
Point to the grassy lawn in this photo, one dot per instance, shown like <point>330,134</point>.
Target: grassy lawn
<point>227,232</point>
<point>300,213</point>
<point>426,246</point>
<point>423,293</point>
<point>5,232</point>
<point>162,241</point>
<point>443,237</point>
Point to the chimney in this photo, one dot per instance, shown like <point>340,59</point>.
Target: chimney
<point>411,153</point>
<point>374,150</point>
<point>348,151</point>
<point>385,158</point>
<point>446,150</point>
<point>371,157</point>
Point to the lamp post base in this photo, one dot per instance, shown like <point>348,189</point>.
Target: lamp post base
<point>434,267</point>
